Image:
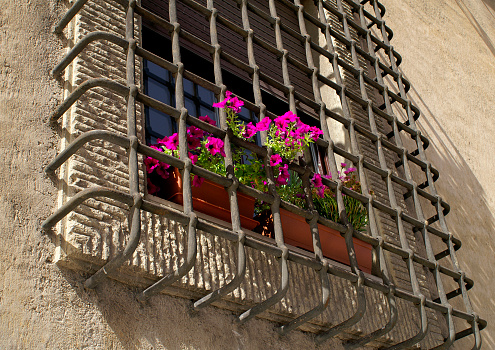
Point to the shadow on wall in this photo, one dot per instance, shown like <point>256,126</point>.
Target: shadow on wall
<point>165,322</point>
<point>470,218</point>
<point>490,4</point>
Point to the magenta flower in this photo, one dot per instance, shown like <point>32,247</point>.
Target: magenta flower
<point>197,181</point>
<point>236,104</point>
<point>192,157</point>
<point>250,131</point>
<point>283,177</point>
<point>194,131</point>
<point>223,103</point>
<point>283,121</point>
<point>208,120</point>
<point>275,159</point>
<point>343,165</point>
<point>230,102</point>
<point>350,170</point>
<point>171,143</point>
<point>316,180</point>
<point>151,164</point>
<point>152,189</point>
<point>162,170</point>
<point>264,124</point>
<point>215,145</point>
<point>193,142</point>
<point>315,133</point>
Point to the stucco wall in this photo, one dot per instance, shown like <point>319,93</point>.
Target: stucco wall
<point>449,57</point>
<point>45,306</point>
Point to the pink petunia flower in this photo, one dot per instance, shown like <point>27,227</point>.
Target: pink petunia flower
<point>230,102</point>
<point>275,159</point>
<point>197,181</point>
<point>264,124</point>
<point>223,103</point>
<point>152,189</point>
<point>194,131</point>
<point>208,120</point>
<point>193,142</point>
<point>171,143</point>
<point>192,157</point>
<point>283,177</point>
<point>316,180</point>
<point>250,131</point>
<point>215,145</point>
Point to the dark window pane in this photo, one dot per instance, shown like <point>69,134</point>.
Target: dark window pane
<point>157,70</point>
<point>160,123</point>
<point>206,96</point>
<point>191,107</point>
<point>188,87</point>
<point>208,112</point>
<point>158,91</point>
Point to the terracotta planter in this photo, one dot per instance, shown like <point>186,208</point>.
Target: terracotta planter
<point>210,199</point>
<point>297,233</point>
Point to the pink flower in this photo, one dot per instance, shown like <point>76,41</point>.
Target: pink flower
<point>350,170</point>
<point>316,180</point>
<point>283,121</point>
<point>151,164</point>
<point>194,131</point>
<point>171,143</point>
<point>283,177</point>
<point>264,124</point>
<point>223,103</point>
<point>193,142</point>
<point>215,145</point>
<point>193,157</point>
<point>236,104</point>
<point>343,165</point>
<point>275,160</point>
<point>315,132</point>
<point>162,170</point>
<point>250,131</point>
<point>197,181</point>
<point>230,102</point>
<point>208,119</point>
<point>152,189</point>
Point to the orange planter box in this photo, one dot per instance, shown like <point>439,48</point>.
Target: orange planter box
<point>298,233</point>
<point>210,199</point>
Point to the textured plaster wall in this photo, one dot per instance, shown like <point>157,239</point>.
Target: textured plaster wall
<point>449,57</point>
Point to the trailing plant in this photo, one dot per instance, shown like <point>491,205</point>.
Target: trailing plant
<point>287,137</point>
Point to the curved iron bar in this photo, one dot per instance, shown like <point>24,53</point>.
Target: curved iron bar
<point>358,315</point>
<point>69,15</point>
<point>236,281</point>
<point>82,196</point>
<point>183,269</point>
<point>423,331</point>
<point>135,234</point>
<point>81,45</point>
<point>316,311</point>
<point>81,89</point>
<point>241,254</point>
<point>279,239</point>
<point>82,139</point>
<point>91,193</point>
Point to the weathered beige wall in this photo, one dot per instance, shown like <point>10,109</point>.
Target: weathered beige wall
<point>45,306</point>
<point>448,50</point>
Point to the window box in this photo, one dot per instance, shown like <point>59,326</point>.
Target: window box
<point>298,234</point>
<point>210,199</point>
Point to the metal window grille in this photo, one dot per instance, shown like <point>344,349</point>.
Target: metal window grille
<point>359,82</point>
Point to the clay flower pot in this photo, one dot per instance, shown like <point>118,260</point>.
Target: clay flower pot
<point>297,233</point>
<point>210,199</point>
